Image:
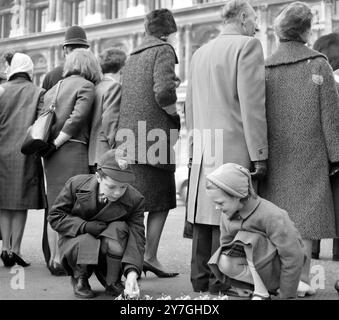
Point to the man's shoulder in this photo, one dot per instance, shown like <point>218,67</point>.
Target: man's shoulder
<point>53,77</point>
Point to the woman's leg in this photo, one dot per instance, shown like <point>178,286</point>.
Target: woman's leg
<point>305,274</point>
<point>18,227</point>
<point>155,226</point>
<point>6,229</point>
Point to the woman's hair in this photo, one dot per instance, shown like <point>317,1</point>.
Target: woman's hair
<point>112,60</point>
<point>82,62</point>
<point>293,22</point>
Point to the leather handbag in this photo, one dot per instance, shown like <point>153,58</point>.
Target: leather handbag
<point>38,134</point>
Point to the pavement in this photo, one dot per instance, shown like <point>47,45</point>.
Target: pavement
<point>36,283</point>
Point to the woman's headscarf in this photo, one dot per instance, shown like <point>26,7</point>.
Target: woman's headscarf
<point>21,63</point>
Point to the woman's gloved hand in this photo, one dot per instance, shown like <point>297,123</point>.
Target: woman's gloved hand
<point>260,170</point>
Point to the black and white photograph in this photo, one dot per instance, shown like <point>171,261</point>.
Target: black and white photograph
<point>169,150</point>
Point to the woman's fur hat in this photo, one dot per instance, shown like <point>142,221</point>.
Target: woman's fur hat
<point>160,23</point>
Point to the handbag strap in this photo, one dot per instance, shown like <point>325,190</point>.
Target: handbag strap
<point>53,106</point>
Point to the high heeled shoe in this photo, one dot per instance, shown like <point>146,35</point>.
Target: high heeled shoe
<point>19,261</point>
<point>7,259</point>
<point>159,273</point>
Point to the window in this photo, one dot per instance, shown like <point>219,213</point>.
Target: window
<point>5,25</point>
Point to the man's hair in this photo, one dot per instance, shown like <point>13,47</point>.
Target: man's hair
<point>329,46</point>
<point>112,60</point>
<point>83,62</point>
<point>233,8</point>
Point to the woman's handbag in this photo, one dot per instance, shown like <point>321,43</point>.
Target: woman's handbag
<point>38,134</point>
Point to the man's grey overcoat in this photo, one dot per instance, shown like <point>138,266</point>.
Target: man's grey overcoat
<point>226,92</point>
<point>302,106</point>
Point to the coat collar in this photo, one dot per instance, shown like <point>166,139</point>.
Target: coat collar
<point>291,52</point>
<point>250,206</point>
<point>151,42</point>
<point>91,187</point>
<point>231,29</point>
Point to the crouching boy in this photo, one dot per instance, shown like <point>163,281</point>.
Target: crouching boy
<point>100,219</point>
<point>259,243</point>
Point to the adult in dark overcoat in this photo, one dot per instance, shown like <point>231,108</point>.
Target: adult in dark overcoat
<point>303,132</point>
<point>106,106</point>
<point>148,102</point>
<point>70,132</point>
<point>101,223</point>
<point>21,177</point>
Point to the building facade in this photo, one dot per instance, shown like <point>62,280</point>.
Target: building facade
<point>37,27</point>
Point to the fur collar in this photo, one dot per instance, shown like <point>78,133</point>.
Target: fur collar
<point>150,42</point>
<point>291,52</point>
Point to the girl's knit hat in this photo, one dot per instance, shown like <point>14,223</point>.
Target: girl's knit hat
<point>233,179</point>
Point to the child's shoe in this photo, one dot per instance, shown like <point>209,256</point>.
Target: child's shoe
<point>305,289</point>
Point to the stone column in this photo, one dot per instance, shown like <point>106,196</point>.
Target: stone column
<point>57,55</point>
<point>95,47</point>
<point>180,53</point>
<point>328,16</point>
<point>135,11</point>
<point>52,10</point>
<point>94,12</point>
<point>56,15</point>
<point>262,25</point>
<point>51,58</point>
<point>188,50</point>
<point>18,20</point>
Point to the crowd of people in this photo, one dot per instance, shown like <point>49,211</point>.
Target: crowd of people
<point>256,210</point>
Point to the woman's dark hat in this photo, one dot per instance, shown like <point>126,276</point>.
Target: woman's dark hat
<point>160,23</point>
<point>75,35</point>
<point>117,167</point>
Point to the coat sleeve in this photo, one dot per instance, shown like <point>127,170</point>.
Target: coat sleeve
<point>40,106</point>
<point>164,78</point>
<point>251,92</point>
<point>329,109</point>
<point>285,237</point>
<point>82,109</point>
<point>60,216</point>
<point>110,115</point>
<point>225,236</point>
<point>135,249</point>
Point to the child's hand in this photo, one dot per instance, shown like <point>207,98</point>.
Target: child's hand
<point>132,290</point>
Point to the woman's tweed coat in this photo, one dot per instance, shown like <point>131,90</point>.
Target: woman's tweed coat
<point>148,90</point>
<point>21,177</point>
<point>148,87</point>
<point>302,108</point>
